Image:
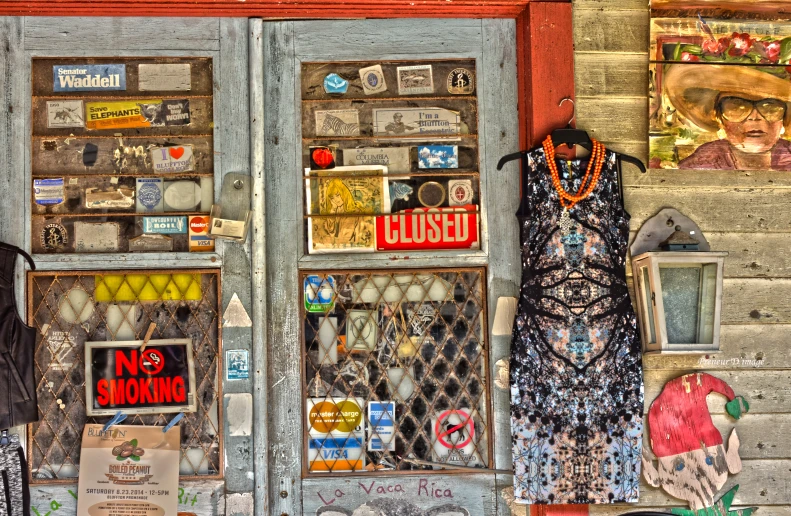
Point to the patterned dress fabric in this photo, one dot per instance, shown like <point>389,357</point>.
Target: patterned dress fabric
<point>14,490</point>
<point>575,373</point>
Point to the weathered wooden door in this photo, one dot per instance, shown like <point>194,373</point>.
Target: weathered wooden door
<point>326,375</point>
<point>221,46</point>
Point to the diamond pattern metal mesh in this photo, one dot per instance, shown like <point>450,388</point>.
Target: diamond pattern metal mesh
<point>395,368</point>
<point>71,308</point>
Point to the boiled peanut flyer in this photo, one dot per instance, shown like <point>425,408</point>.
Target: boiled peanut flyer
<point>129,471</point>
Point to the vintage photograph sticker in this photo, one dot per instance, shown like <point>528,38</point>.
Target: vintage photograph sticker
<point>48,191</point>
<point>96,237</point>
<point>461,82</point>
<point>65,113</point>
<point>100,77</point>
<point>164,76</point>
<point>338,122</point>
<point>373,80</point>
<point>415,80</point>
<point>172,160</point>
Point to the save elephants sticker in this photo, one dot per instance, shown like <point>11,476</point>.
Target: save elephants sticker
<point>134,114</point>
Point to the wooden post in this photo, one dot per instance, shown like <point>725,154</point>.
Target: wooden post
<point>545,67</point>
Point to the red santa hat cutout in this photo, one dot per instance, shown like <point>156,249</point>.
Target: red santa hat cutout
<point>679,419</point>
<point>693,462</point>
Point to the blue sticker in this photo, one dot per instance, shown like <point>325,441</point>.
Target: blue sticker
<point>438,156</point>
<point>48,191</point>
<point>238,364</point>
<point>334,83</point>
<point>319,293</point>
<point>165,225</point>
<point>102,77</point>
<point>150,193</point>
<point>381,426</point>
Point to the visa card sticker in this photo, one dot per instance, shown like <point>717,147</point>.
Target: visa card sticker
<point>381,426</point>
<point>336,454</point>
<point>48,191</point>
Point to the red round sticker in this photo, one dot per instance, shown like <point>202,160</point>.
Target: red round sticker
<point>152,361</point>
<point>447,431</point>
<point>199,223</point>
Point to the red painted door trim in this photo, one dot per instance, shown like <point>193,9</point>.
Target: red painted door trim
<point>545,67</point>
<point>294,9</point>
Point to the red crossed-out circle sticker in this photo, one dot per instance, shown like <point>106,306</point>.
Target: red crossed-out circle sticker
<point>446,429</point>
<point>152,361</point>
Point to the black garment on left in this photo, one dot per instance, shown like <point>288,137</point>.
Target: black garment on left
<point>14,489</point>
<point>18,404</point>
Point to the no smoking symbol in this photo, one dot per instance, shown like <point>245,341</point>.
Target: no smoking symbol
<point>449,429</point>
<point>152,361</point>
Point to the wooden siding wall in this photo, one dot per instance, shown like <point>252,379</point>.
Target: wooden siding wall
<point>745,213</point>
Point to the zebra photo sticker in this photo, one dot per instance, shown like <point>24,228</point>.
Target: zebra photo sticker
<point>65,113</point>
<point>338,122</point>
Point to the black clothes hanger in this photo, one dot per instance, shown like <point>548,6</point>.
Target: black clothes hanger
<point>569,136</point>
<point>15,249</point>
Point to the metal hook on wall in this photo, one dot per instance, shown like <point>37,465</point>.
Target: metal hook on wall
<point>573,108</point>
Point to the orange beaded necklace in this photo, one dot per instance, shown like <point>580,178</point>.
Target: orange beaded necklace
<point>589,181</point>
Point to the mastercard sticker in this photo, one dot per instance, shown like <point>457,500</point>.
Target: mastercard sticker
<point>337,434</point>
<point>199,234</point>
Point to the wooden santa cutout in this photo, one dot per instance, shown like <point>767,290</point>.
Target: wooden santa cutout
<point>693,462</point>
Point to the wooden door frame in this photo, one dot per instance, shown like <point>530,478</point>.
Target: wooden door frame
<point>545,46</point>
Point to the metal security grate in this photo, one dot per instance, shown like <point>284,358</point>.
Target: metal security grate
<point>395,368</point>
<point>71,308</point>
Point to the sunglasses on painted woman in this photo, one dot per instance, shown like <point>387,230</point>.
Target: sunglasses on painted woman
<point>738,109</point>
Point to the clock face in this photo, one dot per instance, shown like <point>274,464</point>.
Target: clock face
<point>362,329</point>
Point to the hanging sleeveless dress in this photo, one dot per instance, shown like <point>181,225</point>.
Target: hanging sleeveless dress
<point>575,369</point>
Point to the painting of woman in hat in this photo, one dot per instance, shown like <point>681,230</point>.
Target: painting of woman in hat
<point>747,107</point>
